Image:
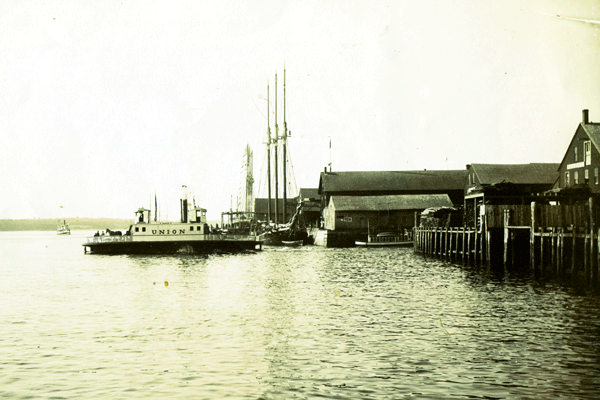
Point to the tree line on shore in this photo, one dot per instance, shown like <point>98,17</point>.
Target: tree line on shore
<point>51,224</point>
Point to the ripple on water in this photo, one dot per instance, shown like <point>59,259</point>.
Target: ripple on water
<point>309,323</point>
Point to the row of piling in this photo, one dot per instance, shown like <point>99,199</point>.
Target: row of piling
<point>572,246</point>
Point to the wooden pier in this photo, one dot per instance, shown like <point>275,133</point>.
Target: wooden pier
<point>546,237</point>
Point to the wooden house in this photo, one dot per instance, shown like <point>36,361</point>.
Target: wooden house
<point>581,162</point>
<point>378,213</point>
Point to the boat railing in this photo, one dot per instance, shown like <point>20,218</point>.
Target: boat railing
<point>108,238</point>
<point>388,239</point>
<point>236,237</point>
<point>129,238</point>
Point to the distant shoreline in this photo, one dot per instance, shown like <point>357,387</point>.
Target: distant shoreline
<point>76,224</point>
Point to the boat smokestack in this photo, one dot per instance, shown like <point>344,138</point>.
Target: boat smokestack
<point>184,205</point>
<point>585,117</point>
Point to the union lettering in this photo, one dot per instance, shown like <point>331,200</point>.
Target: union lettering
<point>182,231</point>
<point>161,232</point>
<point>154,231</point>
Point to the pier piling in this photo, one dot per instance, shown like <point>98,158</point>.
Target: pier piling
<point>548,238</point>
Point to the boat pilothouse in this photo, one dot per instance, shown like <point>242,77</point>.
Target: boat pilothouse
<point>191,234</point>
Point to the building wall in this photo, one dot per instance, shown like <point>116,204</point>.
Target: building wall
<point>577,162</point>
<point>360,221</point>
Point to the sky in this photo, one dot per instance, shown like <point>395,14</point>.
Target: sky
<point>105,103</point>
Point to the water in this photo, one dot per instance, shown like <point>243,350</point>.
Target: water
<point>280,324</point>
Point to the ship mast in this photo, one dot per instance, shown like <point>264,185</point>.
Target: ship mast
<point>268,157</point>
<point>284,142</point>
<point>275,155</point>
<point>249,164</point>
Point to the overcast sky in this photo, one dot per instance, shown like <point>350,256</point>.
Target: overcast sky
<point>102,103</point>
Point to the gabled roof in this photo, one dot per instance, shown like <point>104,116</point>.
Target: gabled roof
<point>530,174</point>
<point>391,202</point>
<point>359,181</point>
<point>592,130</point>
<point>309,193</point>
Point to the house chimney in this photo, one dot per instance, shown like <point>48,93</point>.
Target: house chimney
<point>585,114</point>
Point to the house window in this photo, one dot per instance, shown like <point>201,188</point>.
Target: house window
<point>137,229</point>
<point>191,228</point>
<point>576,158</point>
<point>596,176</point>
<point>144,229</point>
<point>586,175</point>
<point>587,147</point>
<point>567,178</point>
<point>575,177</point>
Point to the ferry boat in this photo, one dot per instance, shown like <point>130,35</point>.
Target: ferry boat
<point>63,229</point>
<point>189,235</point>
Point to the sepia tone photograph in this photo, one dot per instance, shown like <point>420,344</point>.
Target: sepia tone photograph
<point>299,199</point>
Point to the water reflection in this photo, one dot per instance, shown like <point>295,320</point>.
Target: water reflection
<point>307,322</point>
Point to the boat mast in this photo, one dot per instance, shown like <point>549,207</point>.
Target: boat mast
<point>249,179</point>
<point>284,142</point>
<point>276,166</point>
<point>268,158</point>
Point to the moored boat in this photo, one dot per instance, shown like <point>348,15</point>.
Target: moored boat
<point>386,239</point>
<point>292,243</point>
<point>191,234</point>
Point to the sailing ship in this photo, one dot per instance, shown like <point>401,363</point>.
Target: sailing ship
<point>191,234</point>
<point>63,229</point>
<point>274,231</point>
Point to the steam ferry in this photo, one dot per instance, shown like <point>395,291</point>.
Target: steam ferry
<point>63,229</point>
<point>190,235</point>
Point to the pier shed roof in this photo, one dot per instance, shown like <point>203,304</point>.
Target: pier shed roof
<point>390,202</point>
<point>392,181</point>
<point>308,193</point>
<point>526,174</point>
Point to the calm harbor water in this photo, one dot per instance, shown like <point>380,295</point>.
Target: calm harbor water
<point>285,323</point>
